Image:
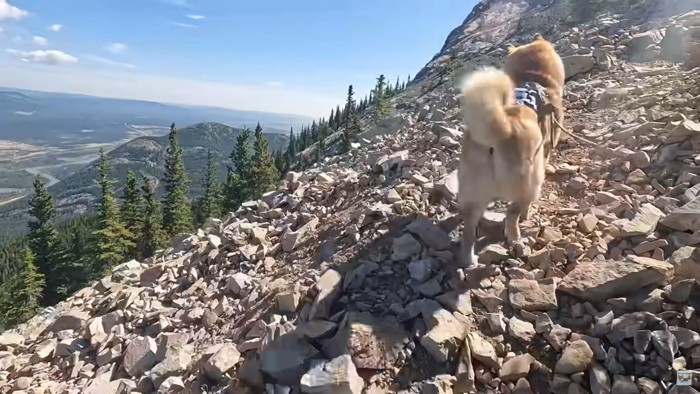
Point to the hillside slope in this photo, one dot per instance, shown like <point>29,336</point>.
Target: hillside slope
<point>146,156</point>
<point>337,282</point>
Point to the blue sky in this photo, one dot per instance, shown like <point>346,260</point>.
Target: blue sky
<point>294,56</point>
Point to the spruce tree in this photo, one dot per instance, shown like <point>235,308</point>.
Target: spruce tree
<point>131,211</point>
<point>263,172</point>
<point>23,292</point>
<point>331,119</point>
<point>237,189</point>
<point>397,87</point>
<point>49,256</point>
<point>177,216</point>
<point>210,203</point>
<point>152,235</point>
<point>113,239</point>
<point>381,99</point>
<point>338,117</point>
<point>349,105</point>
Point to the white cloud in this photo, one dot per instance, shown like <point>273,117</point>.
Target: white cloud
<point>38,40</point>
<point>180,24</point>
<point>56,27</point>
<point>117,48</point>
<point>51,57</point>
<point>195,17</point>
<point>8,11</point>
<point>103,60</point>
<point>159,88</point>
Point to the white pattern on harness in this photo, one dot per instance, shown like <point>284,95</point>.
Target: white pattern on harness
<point>529,95</point>
<point>524,96</point>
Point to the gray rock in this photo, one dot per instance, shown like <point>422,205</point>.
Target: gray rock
<point>521,329</point>
<point>624,385</point>
<point>433,236</point>
<point>599,379</point>
<point>685,338</point>
<point>665,344</point>
<point>532,295</point>
<point>483,352</point>
<point>680,290</point>
<point>516,368</point>
<point>577,64</point>
<point>335,376</point>
<point>685,218</point>
<point>405,247</point>
<point>140,355</point>
<point>420,270</point>
<point>643,223</point>
<point>327,289</point>
<point>287,359</point>
<point>575,358</point>
<point>642,341</point>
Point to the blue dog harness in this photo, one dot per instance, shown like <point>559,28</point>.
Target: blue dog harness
<point>530,94</point>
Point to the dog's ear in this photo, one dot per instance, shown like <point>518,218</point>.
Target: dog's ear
<point>538,36</point>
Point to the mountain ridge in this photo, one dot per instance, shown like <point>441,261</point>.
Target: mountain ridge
<point>145,155</point>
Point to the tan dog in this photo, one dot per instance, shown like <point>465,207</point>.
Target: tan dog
<point>539,62</point>
<point>502,155</point>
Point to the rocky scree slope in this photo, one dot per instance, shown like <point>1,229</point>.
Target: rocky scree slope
<point>336,282</point>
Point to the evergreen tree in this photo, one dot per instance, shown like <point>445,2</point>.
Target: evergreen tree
<point>352,130</point>
<point>280,162</point>
<point>152,235</point>
<point>131,211</point>
<point>291,149</point>
<point>338,117</point>
<point>331,119</point>
<point>23,292</point>
<point>177,217</point>
<point>397,87</point>
<point>263,172</point>
<point>349,105</point>
<point>210,203</point>
<point>113,240</point>
<point>380,97</point>
<point>237,189</point>
<point>49,257</point>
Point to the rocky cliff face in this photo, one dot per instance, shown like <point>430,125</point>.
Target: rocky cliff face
<point>336,282</point>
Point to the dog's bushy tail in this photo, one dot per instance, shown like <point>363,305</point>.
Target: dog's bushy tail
<point>486,93</point>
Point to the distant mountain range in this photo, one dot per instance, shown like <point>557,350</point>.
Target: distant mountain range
<point>63,119</point>
<point>146,156</point>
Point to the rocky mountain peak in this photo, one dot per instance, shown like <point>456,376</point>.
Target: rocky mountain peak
<point>337,281</point>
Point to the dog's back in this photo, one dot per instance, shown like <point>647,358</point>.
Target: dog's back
<point>537,62</point>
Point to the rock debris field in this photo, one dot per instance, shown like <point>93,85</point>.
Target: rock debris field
<point>338,281</point>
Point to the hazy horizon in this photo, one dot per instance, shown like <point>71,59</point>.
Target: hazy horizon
<point>267,56</point>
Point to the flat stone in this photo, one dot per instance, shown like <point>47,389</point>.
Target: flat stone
<point>433,236</point>
<point>73,320</point>
<point>588,223</point>
<point>140,356</point>
<point>287,358</point>
<point>624,385</point>
<point>328,287</point>
<point>521,329</point>
<point>665,344</point>
<point>335,376</point>
<point>643,223</point>
<point>373,343</point>
<point>685,338</point>
<point>685,218</point>
<point>575,358</point>
<point>445,335</point>
<point>420,270</point>
<point>599,281</point>
<point>599,379</point>
<point>457,301</point>
<point>680,290</point>
<point>532,295</point>
<point>405,247</point>
<point>516,368</point>
<point>483,351</point>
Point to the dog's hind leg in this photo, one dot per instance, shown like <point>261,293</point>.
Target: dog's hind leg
<point>515,211</point>
<point>471,214</point>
